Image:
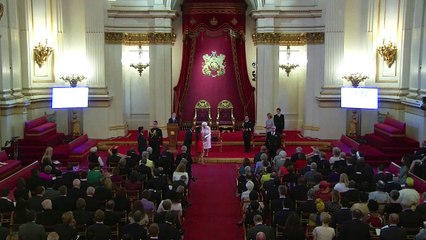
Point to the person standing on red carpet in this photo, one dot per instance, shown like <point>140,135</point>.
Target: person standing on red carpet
<point>207,134</point>
<point>247,131</point>
<point>198,146</point>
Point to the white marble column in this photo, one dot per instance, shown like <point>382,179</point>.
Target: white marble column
<point>334,43</point>
<point>160,84</point>
<point>95,42</point>
<point>267,80</point>
<point>314,82</point>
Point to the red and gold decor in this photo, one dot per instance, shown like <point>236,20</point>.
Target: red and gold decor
<point>214,61</point>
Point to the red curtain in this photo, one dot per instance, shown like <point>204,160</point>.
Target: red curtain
<point>211,29</point>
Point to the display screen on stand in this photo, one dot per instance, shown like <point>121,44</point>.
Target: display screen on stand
<point>362,98</point>
<point>70,97</point>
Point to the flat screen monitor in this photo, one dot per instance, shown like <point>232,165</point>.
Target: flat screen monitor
<point>70,97</point>
<point>364,98</point>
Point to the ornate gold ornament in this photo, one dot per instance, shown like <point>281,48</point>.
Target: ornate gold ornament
<point>73,78</point>
<point>294,39</point>
<point>213,21</point>
<point>213,65</point>
<point>41,53</point>
<point>288,67</point>
<point>1,10</point>
<point>234,21</point>
<point>140,38</point>
<point>388,52</point>
<point>355,78</point>
<point>140,66</point>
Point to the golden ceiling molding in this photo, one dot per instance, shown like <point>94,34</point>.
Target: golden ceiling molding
<point>139,38</point>
<point>292,39</point>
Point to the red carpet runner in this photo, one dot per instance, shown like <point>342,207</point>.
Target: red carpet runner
<point>215,209</point>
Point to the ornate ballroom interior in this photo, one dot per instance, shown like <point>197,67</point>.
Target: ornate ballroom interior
<point>263,54</point>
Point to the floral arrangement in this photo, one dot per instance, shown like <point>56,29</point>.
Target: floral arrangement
<point>355,78</point>
<point>73,78</point>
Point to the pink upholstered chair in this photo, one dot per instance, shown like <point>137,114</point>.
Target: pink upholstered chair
<point>225,115</point>
<point>202,113</point>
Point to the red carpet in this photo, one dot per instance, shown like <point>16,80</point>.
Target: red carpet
<point>215,209</point>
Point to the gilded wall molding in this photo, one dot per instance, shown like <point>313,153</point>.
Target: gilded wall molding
<point>139,38</point>
<point>294,39</point>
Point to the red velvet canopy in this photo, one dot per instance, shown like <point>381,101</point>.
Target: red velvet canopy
<point>214,60</point>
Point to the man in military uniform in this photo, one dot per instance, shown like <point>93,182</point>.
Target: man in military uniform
<point>247,130</point>
<point>155,140</point>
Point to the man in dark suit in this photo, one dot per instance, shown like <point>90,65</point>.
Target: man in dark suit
<point>81,215</point>
<point>76,192</point>
<point>392,231</point>
<point>34,203</point>
<point>247,133</point>
<point>355,229</point>
<point>173,118</point>
<point>167,161</point>
<point>282,201</point>
<point>342,215</point>
<point>309,206</point>
<point>69,176</point>
<point>272,142</point>
<point>410,219</point>
<point>263,149</point>
<point>155,140</point>
<point>99,230</point>
<point>48,217</point>
<point>63,203</point>
<point>92,204</point>
<point>421,208</point>
<point>111,218</point>
<point>142,145</point>
<point>136,230</point>
<point>31,230</point>
<point>279,122</point>
<point>6,205</point>
<point>260,227</point>
<point>187,139</point>
<point>168,229</point>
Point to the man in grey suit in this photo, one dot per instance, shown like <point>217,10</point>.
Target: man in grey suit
<point>260,227</point>
<point>31,230</point>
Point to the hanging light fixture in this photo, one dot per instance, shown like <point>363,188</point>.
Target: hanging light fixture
<point>288,67</point>
<point>140,65</point>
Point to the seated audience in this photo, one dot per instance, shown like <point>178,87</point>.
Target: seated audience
<point>94,158</point>
<point>99,230</point>
<point>260,227</point>
<point>293,228</point>
<point>180,170</point>
<point>324,191</point>
<point>379,195</point>
<point>409,218</point>
<point>343,184</point>
<point>394,206</point>
<point>137,206</point>
<point>30,230</point>
<point>92,204</point>
<point>94,175</point>
<point>66,230</point>
<point>324,232</point>
<point>374,218</point>
<point>81,215</point>
<point>168,229</point>
<point>63,203</point>
<point>6,205</point>
<point>111,217</point>
<point>392,231</point>
<point>283,200</point>
<point>48,217</point>
<point>421,208</point>
<point>355,229</point>
<point>343,214</point>
<point>122,203</point>
<point>34,203</point>
<point>333,205</point>
<point>135,229</point>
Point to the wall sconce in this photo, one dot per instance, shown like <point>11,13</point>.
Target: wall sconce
<point>140,66</point>
<point>388,52</point>
<point>355,78</point>
<point>253,73</point>
<point>288,67</point>
<point>42,53</point>
<point>73,78</point>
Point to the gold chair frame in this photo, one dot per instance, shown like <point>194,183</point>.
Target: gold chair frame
<point>202,104</point>
<point>225,104</point>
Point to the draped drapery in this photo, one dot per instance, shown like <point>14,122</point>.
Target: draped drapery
<point>213,60</point>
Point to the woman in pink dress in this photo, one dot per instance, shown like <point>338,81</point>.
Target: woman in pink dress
<point>199,146</point>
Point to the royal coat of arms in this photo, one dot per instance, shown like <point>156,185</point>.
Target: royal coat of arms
<point>213,65</point>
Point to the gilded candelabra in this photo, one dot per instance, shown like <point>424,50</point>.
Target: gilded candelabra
<point>73,79</point>
<point>139,65</point>
<point>41,53</point>
<point>288,67</point>
<point>388,52</point>
<point>355,78</point>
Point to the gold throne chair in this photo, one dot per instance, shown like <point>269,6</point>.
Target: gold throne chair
<point>202,113</point>
<point>225,115</point>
